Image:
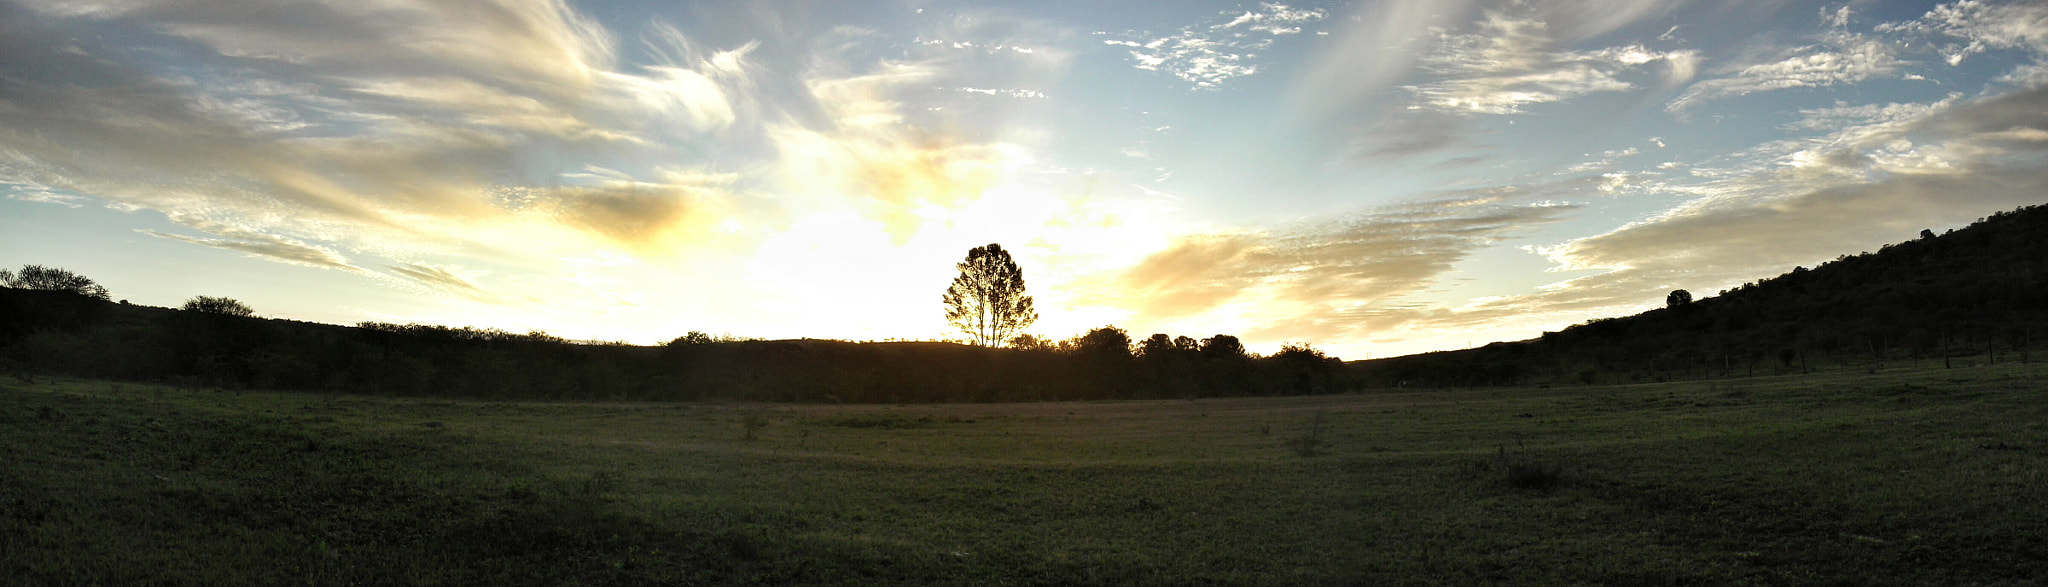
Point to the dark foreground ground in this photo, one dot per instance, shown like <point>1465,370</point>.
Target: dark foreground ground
<point>1901,477</point>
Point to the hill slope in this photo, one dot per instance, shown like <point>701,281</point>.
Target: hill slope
<point>1973,296</point>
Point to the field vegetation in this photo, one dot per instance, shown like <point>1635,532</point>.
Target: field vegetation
<point>1929,476</point>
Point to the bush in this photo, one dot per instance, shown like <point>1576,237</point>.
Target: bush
<point>223,306</point>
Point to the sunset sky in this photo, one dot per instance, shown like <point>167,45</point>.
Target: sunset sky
<point>1375,178</point>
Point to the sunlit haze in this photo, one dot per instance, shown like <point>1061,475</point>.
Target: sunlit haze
<point>1374,178</point>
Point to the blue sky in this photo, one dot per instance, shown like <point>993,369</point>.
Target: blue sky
<point>1375,178</point>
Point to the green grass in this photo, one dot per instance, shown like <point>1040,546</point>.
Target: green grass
<point>1905,477</point>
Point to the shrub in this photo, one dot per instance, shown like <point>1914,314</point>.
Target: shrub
<point>224,306</point>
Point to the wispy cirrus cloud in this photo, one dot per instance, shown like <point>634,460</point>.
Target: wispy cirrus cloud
<point>1979,26</point>
<point>263,109</point>
<point>1273,19</point>
<point>259,244</point>
<point>1508,63</point>
<point>1436,71</point>
<point>1841,58</point>
<point>442,279</point>
<point>1210,56</point>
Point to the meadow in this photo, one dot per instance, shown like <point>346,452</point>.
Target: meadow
<point>1893,477</point>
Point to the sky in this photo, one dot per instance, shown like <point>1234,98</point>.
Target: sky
<point>1375,178</point>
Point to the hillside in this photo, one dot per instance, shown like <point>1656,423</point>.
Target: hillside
<point>1976,295</point>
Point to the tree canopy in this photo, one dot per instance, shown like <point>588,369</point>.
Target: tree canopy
<point>1677,298</point>
<point>224,306</point>
<point>1105,343</point>
<point>53,279</point>
<point>1223,346</point>
<point>987,300</point>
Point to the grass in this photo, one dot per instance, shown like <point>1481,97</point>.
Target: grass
<point>1903,477</point>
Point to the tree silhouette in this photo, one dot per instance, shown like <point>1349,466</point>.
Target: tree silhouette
<point>53,279</point>
<point>1223,347</point>
<point>1031,343</point>
<point>987,300</point>
<point>222,306</point>
<point>1155,347</point>
<point>1107,343</point>
<point>1677,298</point>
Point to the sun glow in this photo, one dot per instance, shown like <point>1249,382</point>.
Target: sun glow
<point>885,285</point>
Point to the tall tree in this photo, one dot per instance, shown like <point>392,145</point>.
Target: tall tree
<point>987,300</point>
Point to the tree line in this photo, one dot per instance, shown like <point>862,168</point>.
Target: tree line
<point>67,326</point>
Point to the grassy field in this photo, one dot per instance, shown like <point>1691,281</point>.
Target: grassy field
<point>1904,477</point>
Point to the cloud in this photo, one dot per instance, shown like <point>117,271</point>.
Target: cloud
<point>644,217</point>
<point>1457,58</point>
<point>24,179</point>
<point>260,245</point>
<point>1273,19</point>
<point>1012,93</point>
<point>366,124</point>
<point>1510,62</point>
<point>1208,57</point>
<point>1981,26</point>
<point>1840,59</point>
<point>874,160</point>
<point>1408,78</point>
<point>443,279</point>
<point>43,196</point>
<point>1331,280</point>
<point>897,178</point>
<point>1195,274</point>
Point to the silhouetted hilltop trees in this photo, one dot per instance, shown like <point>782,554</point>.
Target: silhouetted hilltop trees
<point>1972,296</point>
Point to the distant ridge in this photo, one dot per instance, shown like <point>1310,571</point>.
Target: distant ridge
<point>1972,296</point>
